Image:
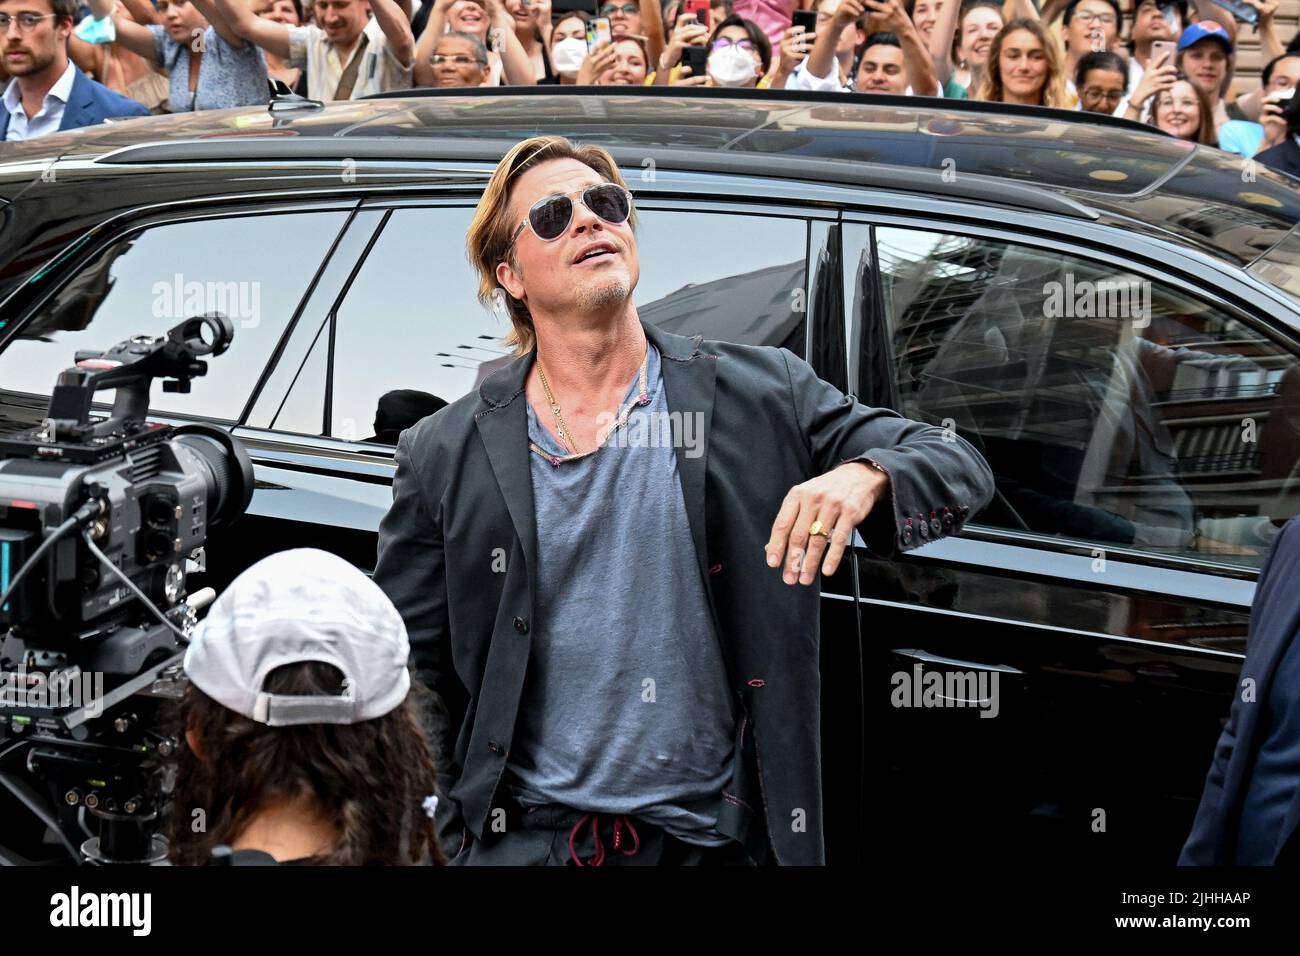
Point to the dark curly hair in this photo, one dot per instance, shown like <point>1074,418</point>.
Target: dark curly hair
<point>369,778</point>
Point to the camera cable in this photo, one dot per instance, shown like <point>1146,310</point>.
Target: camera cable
<point>131,586</point>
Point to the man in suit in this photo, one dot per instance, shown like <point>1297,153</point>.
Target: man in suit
<point>48,93</point>
<point>607,556</point>
<point>1251,804</point>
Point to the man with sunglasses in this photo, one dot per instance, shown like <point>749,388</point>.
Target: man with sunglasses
<point>47,93</point>
<point>607,554</point>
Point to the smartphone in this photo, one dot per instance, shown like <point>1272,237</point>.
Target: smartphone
<point>1240,11</point>
<point>700,8</point>
<point>695,57</point>
<point>1161,48</point>
<point>599,31</point>
<point>806,19</point>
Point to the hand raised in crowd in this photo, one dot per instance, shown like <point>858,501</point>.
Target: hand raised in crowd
<point>540,11</point>
<point>1271,118</point>
<point>688,32</point>
<point>1267,9</point>
<point>886,16</point>
<point>1157,79</point>
<point>599,60</point>
<point>796,44</point>
<point>847,12</point>
<point>499,16</point>
<point>684,78</point>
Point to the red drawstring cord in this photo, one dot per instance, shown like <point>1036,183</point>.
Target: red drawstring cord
<point>598,857</point>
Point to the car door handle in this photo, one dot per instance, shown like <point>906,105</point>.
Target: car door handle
<point>926,657</point>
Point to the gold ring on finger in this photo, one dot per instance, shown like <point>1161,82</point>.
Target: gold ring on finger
<point>817,528</point>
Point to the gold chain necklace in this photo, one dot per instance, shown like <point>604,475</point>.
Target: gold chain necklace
<point>561,428</point>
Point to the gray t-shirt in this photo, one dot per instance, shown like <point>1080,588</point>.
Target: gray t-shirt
<point>227,76</point>
<point>626,708</point>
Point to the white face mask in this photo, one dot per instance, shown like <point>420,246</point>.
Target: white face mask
<point>567,56</point>
<point>731,66</point>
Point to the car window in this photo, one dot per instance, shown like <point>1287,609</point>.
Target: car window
<point>1112,409</point>
<point>254,269</point>
<point>410,336</point>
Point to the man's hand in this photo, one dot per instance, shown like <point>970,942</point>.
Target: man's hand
<point>886,16</point>
<point>840,500</point>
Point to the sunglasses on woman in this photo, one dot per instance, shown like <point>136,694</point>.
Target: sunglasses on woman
<point>609,9</point>
<point>550,216</point>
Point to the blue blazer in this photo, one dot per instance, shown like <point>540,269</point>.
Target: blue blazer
<point>1275,615</point>
<point>90,104</point>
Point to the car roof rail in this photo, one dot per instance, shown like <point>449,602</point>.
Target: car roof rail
<point>306,149</point>
<point>923,104</point>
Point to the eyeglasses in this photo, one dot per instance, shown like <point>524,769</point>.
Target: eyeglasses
<point>460,59</point>
<point>721,43</point>
<point>1092,95</point>
<point>1105,19</point>
<point>550,217</point>
<point>27,22</point>
<point>609,9</point>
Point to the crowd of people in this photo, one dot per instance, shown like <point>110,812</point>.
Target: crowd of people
<point>1175,70</point>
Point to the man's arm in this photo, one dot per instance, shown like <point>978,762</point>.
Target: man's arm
<point>516,67</point>
<point>890,15</point>
<point>876,471</point>
<point>412,571</point>
<point>397,28</point>
<point>652,25</point>
<point>945,26</point>
<point>270,36</point>
<point>821,63</point>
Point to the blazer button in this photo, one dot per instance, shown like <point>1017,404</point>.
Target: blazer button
<point>521,625</point>
<point>495,747</point>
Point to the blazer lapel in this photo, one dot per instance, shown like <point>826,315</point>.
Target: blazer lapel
<point>79,102</point>
<point>503,426</point>
<point>689,377</point>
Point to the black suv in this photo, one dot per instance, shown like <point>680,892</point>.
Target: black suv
<point>1112,316</point>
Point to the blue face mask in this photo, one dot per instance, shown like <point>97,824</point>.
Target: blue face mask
<point>97,31</point>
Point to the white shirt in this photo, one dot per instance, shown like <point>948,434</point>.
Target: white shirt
<point>310,49</point>
<point>48,117</point>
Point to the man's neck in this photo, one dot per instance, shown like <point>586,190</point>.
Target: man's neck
<point>588,360</point>
<point>34,87</point>
<point>345,49</point>
<point>288,830</point>
<point>1142,53</point>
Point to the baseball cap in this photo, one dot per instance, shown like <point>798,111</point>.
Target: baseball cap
<point>293,607</point>
<point>1205,28</point>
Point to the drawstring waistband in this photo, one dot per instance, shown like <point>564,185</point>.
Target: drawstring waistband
<point>598,858</point>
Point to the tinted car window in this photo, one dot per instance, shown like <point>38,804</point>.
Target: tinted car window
<point>254,269</point>
<point>410,336</point>
<point>1112,409</point>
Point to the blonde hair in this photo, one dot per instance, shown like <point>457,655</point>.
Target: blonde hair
<point>1053,92</point>
<point>488,241</point>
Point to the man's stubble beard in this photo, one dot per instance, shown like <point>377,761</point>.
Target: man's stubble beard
<point>36,66</point>
<point>597,298</point>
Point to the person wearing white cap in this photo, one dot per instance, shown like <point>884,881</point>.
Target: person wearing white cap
<point>302,736</point>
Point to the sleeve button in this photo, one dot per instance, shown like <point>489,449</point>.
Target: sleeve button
<point>521,625</point>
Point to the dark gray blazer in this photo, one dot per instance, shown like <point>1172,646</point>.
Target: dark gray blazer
<point>463,489</point>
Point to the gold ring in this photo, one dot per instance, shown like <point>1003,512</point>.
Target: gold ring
<point>817,528</point>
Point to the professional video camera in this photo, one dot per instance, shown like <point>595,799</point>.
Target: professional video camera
<point>98,518</point>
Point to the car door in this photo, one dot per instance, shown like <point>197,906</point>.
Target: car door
<point>1054,679</point>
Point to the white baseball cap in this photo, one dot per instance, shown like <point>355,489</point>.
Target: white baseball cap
<point>296,606</point>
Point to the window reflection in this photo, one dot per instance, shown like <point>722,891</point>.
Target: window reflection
<point>408,341</point>
<point>1111,409</point>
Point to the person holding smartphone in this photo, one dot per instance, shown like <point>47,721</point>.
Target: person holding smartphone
<point>1154,21</point>
<point>1278,82</point>
<point>829,66</point>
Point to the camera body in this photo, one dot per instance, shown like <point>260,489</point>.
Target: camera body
<point>98,517</point>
